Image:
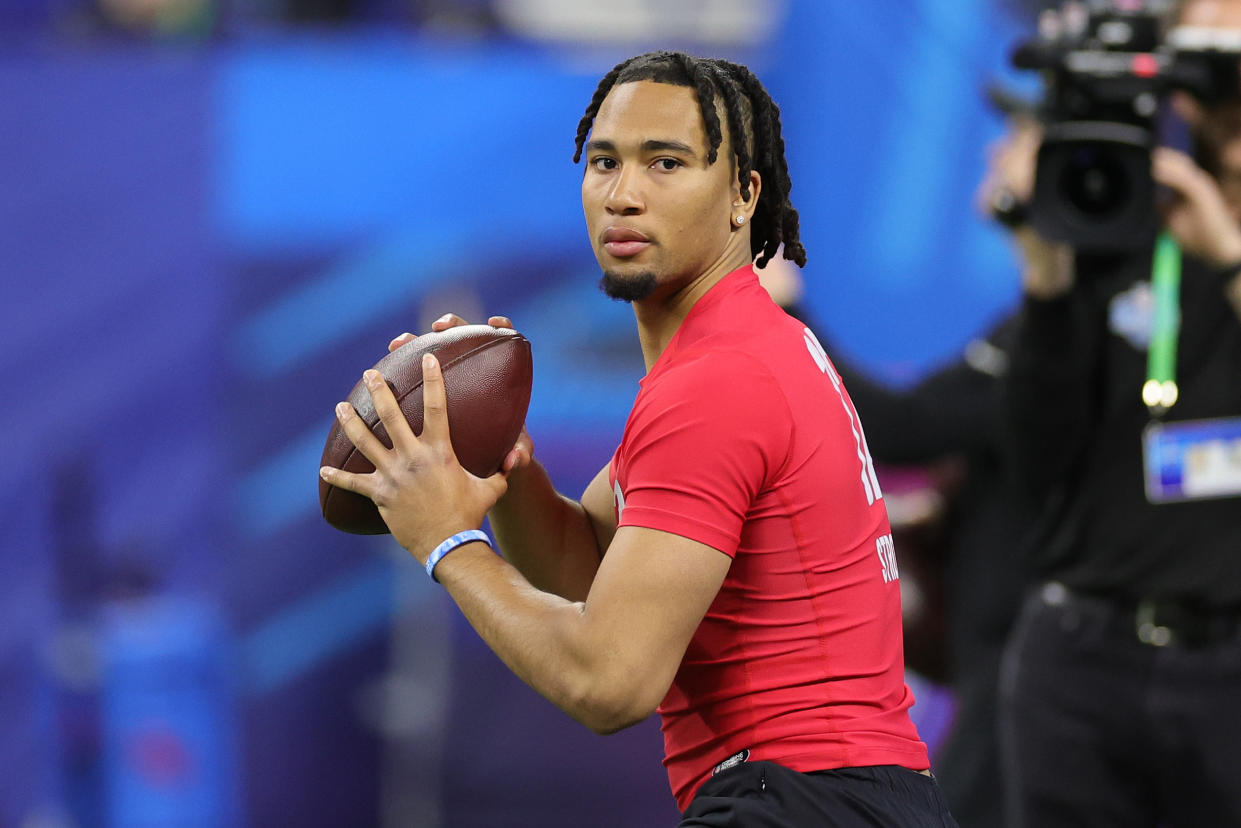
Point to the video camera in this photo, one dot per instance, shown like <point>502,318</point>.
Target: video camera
<point>1107,68</point>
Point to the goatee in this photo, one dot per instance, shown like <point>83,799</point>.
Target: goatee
<point>628,288</point>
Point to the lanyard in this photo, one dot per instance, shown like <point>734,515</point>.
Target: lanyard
<point>1160,392</point>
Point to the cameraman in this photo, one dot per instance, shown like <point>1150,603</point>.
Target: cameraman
<point>1121,688</point>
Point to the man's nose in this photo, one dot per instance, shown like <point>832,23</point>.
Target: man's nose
<point>624,196</point>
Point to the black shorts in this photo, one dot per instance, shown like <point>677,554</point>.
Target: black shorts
<point>767,795</point>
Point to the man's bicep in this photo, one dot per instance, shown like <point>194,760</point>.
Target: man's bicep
<point>598,500</point>
<point>651,593</point>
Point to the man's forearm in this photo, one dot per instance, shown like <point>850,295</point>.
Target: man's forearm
<point>546,640</point>
<point>546,536</point>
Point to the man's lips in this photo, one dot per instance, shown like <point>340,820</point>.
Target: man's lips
<point>624,242</point>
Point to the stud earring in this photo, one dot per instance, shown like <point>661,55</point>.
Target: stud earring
<point>740,220</point>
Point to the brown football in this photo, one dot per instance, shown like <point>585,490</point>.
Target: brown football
<point>487,376</point>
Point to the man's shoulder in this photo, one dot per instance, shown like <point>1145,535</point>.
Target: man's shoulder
<point>728,383</point>
<point>718,362</point>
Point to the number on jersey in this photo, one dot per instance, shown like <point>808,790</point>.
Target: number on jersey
<point>870,481</point>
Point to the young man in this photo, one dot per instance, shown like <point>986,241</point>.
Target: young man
<point>732,564</point>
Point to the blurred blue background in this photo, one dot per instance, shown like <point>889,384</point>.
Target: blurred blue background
<point>216,215</point>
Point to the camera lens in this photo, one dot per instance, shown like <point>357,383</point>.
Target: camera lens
<point>1094,181</point>
<point>1093,187</point>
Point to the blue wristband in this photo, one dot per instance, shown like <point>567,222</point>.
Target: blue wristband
<point>452,543</point>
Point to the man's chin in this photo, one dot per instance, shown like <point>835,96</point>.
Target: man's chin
<point>632,287</point>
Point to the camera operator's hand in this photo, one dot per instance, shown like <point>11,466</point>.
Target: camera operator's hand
<point>1198,215</point>
<point>1048,266</point>
<point>1008,183</point>
<point>1006,188</point>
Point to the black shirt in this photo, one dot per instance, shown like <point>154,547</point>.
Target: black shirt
<point>1073,394</point>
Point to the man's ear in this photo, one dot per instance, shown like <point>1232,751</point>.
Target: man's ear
<point>743,207</point>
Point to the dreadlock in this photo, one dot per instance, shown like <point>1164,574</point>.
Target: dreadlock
<point>753,123</point>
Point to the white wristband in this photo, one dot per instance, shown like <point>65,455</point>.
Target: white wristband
<point>459,539</point>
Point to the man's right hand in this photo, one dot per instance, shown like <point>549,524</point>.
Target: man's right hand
<point>554,541</point>
<point>522,453</point>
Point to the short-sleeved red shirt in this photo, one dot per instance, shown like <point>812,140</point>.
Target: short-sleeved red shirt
<point>743,438</point>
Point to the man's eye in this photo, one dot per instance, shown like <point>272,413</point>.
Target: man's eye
<point>603,163</point>
<point>667,164</point>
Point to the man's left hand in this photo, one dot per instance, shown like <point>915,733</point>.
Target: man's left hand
<point>423,493</point>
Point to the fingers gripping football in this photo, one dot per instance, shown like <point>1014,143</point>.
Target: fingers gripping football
<point>434,408</point>
<point>421,490</point>
<point>448,320</point>
<point>405,445</point>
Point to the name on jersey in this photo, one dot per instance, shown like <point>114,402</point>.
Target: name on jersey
<point>886,550</point>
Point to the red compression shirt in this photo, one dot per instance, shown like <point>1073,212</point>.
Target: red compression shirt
<point>743,438</point>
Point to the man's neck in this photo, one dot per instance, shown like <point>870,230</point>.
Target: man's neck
<point>660,316</point>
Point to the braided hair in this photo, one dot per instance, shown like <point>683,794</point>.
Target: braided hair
<point>753,123</point>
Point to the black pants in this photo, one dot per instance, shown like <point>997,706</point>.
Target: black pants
<point>767,795</point>
<point>967,765</point>
<point>1099,729</point>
